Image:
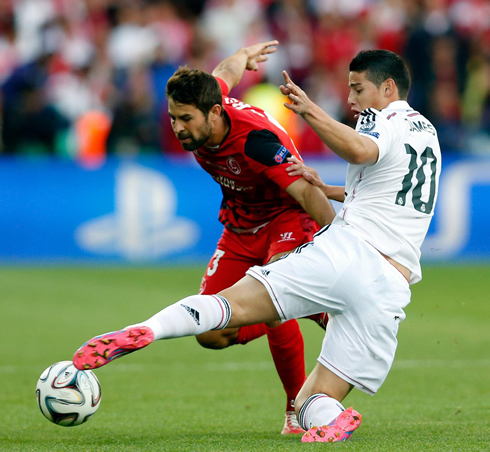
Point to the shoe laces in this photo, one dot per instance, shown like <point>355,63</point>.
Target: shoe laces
<point>292,420</point>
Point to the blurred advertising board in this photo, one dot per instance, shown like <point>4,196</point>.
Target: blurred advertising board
<point>163,211</point>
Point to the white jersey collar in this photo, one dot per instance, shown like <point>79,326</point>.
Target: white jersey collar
<point>399,105</point>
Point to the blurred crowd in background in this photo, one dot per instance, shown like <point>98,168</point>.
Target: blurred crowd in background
<point>80,78</point>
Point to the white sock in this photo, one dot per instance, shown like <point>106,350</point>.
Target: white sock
<point>319,410</point>
<point>192,315</point>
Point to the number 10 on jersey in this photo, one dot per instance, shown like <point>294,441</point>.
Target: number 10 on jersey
<point>418,168</point>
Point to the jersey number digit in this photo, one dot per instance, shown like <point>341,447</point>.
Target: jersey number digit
<point>217,256</point>
<point>418,204</point>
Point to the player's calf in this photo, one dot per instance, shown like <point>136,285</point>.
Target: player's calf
<point>218,339</point>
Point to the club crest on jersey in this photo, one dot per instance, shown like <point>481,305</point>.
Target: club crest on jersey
<point>281,154</point>
<point>233,165</point>
<point>368,126</point>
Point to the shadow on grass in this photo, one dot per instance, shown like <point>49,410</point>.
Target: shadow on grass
<point>184,440</point>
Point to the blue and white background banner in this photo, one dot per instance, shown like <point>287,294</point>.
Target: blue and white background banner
<point>165,211</point>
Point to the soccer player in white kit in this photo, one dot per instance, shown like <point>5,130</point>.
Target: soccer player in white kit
<point>358,269</point>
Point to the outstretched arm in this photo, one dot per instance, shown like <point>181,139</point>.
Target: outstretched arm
<point>341,139</point>
<point>312,200</point>
<point>298,168</point>
<point>232,68</point>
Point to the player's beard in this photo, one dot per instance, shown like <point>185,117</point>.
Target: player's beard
<point>204,133</point>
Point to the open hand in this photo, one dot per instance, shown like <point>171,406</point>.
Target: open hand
<point>258,53</point>
<point>299,100</point>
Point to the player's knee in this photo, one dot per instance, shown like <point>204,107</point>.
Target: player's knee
<point>215,340</point>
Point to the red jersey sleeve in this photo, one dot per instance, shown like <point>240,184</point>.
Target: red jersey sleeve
<point>270,155</point>
<point>224,87</point>
<point>279,175</point>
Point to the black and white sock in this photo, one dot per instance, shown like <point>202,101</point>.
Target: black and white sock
<point>318,410</point>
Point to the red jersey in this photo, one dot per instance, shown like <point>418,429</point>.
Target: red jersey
<point>250,166</point>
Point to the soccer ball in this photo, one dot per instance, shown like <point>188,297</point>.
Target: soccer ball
<point>68,396</point>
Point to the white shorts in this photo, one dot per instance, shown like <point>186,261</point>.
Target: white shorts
<point>362,292</point>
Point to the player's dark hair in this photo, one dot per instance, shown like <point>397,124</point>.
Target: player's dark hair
<point>380,65</point>
<point>194,87</point>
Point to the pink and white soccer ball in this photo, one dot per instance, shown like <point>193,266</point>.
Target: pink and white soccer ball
<point>68,396</point>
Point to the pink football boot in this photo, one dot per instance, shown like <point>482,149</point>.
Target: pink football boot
<point>100,350</point>
<point>340,429</point>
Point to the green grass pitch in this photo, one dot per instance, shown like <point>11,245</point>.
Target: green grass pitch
<point>177,396</point>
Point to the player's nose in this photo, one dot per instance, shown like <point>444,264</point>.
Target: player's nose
<point>178,127</point>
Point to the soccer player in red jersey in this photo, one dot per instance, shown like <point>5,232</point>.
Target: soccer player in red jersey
<point>263,210</point>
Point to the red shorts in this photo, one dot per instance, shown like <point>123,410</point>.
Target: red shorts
<point>237,252</point>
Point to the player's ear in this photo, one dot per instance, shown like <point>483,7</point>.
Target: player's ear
<point>389,87</point>
<point>215,112</point>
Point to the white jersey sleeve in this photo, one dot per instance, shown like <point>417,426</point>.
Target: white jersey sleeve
<point>383,136</point>
<point>391,203</point>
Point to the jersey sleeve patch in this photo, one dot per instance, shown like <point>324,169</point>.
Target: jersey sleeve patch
<point>367,123</point>
<point>264,147</point>
<point>367,120</point>
<point>372,125</point>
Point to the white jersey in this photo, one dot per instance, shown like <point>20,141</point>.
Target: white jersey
<point>390,204</point>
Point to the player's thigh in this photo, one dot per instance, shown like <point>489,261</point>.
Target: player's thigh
<point>250,303</point>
